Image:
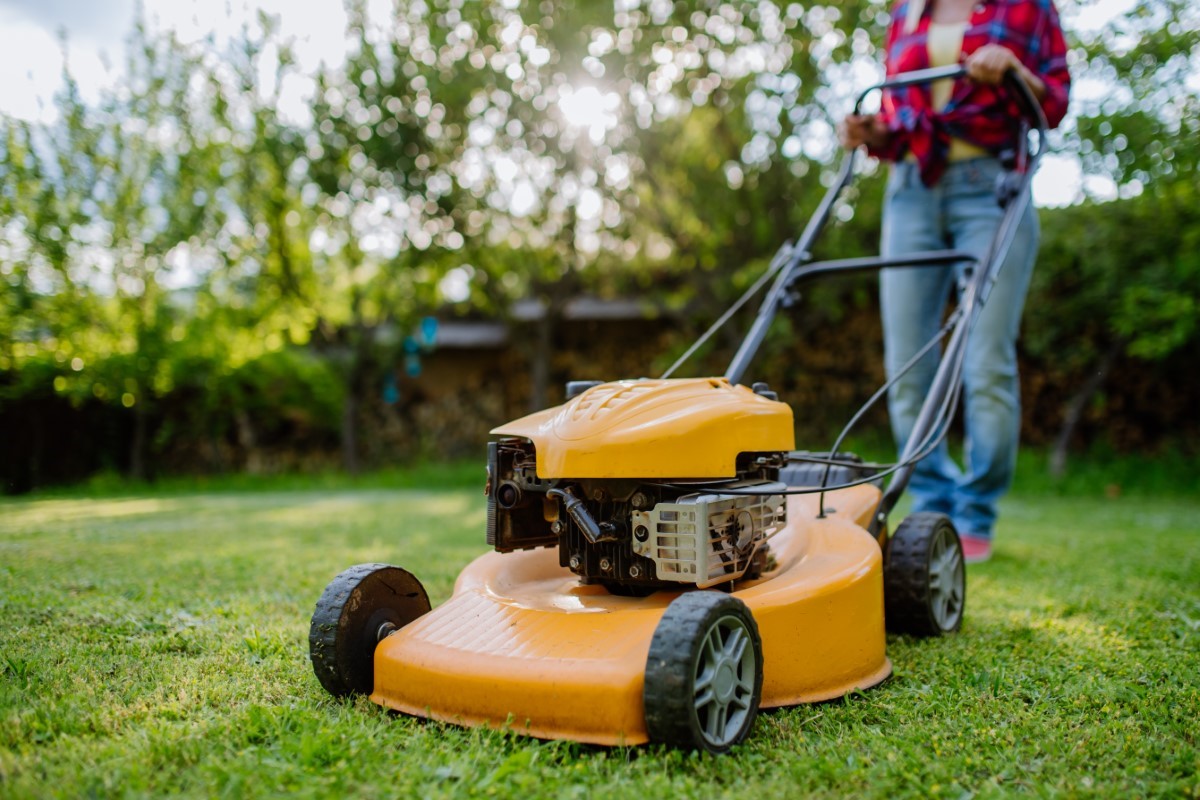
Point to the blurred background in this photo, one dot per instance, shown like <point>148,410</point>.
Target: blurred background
<point>275,237</point>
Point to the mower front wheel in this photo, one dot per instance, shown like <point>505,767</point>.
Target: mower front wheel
<point>704,673</point>
<point>358,608</point>
<point>925,585</point>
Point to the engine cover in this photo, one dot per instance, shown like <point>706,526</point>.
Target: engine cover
<point>689,428</point>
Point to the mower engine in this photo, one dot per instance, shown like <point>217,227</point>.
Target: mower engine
<point>646,484</point>
<point>637,536</point>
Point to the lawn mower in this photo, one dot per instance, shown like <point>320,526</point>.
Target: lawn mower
<point>664,561</point>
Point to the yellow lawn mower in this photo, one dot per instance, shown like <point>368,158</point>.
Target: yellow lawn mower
<point>664,562</point>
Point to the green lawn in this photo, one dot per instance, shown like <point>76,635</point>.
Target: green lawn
<point>156,643</point>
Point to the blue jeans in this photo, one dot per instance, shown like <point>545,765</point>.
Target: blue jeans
<point>959,212</point>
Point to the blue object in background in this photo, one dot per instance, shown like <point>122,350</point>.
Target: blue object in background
<point>391,392</point>
<point>429,329</point>
<point>412,365</point>
<point>412,357</point>
<point>422,340</point>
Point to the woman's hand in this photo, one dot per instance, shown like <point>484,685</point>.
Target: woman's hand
<point>860,129</point>
<point>989,63</point>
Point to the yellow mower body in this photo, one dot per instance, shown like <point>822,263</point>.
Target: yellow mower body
<point>523,645</point>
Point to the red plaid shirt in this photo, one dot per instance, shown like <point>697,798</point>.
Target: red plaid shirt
<point>986,116</point>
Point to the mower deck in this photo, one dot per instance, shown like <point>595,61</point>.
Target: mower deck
<point>522,644</point>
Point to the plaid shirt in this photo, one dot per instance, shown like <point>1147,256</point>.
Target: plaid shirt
<point>986,116</point>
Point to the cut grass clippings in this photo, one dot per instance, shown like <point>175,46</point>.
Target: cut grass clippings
<point>155,643</point>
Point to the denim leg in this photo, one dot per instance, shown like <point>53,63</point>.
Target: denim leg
<point>912,302</point>
<point>992,411</point>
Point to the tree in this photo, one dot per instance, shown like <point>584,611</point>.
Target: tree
<point>100,204</point>
<point>1118,292</point>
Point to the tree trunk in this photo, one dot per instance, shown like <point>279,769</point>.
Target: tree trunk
<point>358,389</point>
<point>248,440</point>
<point>37,447</point>
<point>542,353</point>
<point>350,426</point>
<point>1076,406</point>
<point>137,455</point>
<point>359,341</point>
<point>216,458</point>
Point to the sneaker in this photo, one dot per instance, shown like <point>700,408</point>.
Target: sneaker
<point>975,548</point>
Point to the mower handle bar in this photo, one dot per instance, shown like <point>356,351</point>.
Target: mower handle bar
<point>791,256</point>
<point>793,263</point>
<point>913,78</point>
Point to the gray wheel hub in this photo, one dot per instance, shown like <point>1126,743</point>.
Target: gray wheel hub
<point>946,580</point>
<point>724,686</point>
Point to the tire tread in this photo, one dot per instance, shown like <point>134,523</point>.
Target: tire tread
<point>327,634</point>
<point>906,576</point>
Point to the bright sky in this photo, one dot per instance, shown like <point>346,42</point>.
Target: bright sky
<point>31,53</point>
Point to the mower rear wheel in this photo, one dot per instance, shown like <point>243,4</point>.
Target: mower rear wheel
<point>358,608</point>
<point>704,673</point>
<point>925,586</point>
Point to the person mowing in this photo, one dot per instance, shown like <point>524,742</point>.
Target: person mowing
<point>946,142</point>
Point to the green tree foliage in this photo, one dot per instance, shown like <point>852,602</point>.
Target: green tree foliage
<point>1146,137</point>
<point>97,211</point>
<point>1144,131</point>
<point>148,252</point>
<point>1119,279</point>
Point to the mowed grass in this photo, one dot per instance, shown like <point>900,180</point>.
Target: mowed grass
<point>156,643</point>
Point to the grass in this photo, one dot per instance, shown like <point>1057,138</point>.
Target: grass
<point>445,475</point>
<point>154,642</point>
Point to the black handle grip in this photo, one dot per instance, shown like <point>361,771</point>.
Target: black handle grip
<point>903,79</point>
